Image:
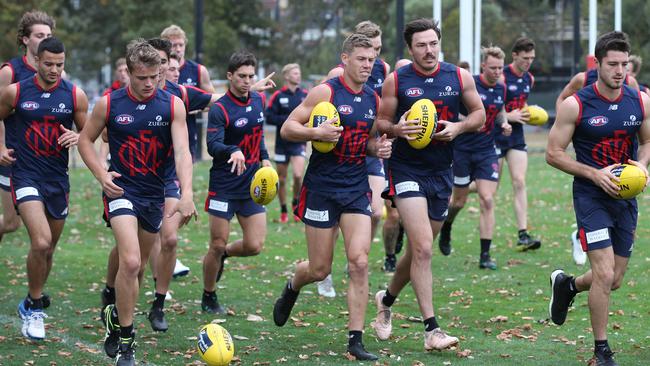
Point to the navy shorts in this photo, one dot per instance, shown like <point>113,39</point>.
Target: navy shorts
<point>5,178</point>
<point>469,166</point>
<point>149,212</point>
<point>324,209</point>
<point>54,195</point>
<point>516,141</point>
<point>285,150</point>
<point>375,166</point>
<point>436,188</point>
<point>605,222</point>
<point>172,189</point>
<point>226,208</point>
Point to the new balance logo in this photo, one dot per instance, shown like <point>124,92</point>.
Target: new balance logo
<point>613,107</point>
<point>141,107</point>
<point>357,99</point>
<point>428,80</point>
<point>45,95</point>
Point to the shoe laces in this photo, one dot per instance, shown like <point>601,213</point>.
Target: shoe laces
<point>37,316</point>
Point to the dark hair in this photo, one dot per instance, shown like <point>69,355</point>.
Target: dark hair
<point>175,56</point>
<point>241,58</point>
<point>611,41</point>
<point>30,19</point>
<point>51,44</point>
<point>420,25</point>
<point>161,44</point>
<point>523,44</point>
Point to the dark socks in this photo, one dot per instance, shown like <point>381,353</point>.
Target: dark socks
<point>294,202</point>
<point>283,208</point>
<point>354,337</point>
<point>430,324</point>
<point>572,285</point>
<point>485,247</point>
<point>388,299</point>
<point>601,346</point>
<point>31,303</point>
<point>159,301</point>
<point>126,332</point>
<point>209,293</point>
<point>523,232</point>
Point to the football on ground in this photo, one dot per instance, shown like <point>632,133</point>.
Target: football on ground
<point>215,345</point>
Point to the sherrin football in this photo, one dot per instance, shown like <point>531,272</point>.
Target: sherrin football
<point>538,116</point>
<point>632,180</point>
<point>425,113</point>
<point>215,345</point>
<point>264,185</point>
<point>322,112</point>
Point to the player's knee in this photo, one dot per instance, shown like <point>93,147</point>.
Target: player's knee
<point>422,252</point>
<point>518,182</point>
<point>358,265</point>
<point>254,247</point>
<point>320,272</point>
<point>392,216</point>
<point>169,241</point>
<point>130,265</point>
<point>11,225</point>
<point>217,246</point>
<point>606,278</point>
<point>41,244</point>
<point>486,202</point>
<point>618,281</point>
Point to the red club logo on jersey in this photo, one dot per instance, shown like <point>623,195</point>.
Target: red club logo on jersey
<point>414,92</point>
<point>241,122</point>
<point>29,106</point>
<point>124,119</point>
<point>345,109</point>
<point>598,121</point>
<point>42,136</point>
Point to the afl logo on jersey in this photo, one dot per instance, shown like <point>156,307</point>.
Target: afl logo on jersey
<point>29,106</point>
<point>483,96</point>
<point>241,122</point>
<point>124,119</point>
<point>414,92</point>
<point>345,109</point>
<point>598,121</point>
<point>512,87</point>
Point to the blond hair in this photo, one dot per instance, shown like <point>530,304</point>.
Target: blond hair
<point>355,40</point>
<point>141,52</point>
<point>173,31</point>
<point>289,67</point>
<point>636,62</point>
<point>368,29</point>
<point>493,51</point>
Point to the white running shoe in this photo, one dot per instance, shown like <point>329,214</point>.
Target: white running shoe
<point>438,340</point>
<point>326,288</point>
<point>579,255</point>
<point>168,296</point>
<point>382,323</point>
<point>180,269</point>
<point>33,325</point>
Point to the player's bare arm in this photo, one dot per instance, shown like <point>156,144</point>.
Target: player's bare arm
<point>183,159</point>
<point>7,98</point>
<point>576,83</point>
<point>475,112</point>
<point>295,129</point>
<point>335,72</point>
<point>206,83</point>
<point>644,139</point>
<point>386,113</point>
<point>558,140</point>
<point>68,137</point>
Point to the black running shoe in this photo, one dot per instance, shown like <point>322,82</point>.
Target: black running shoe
<point>486,262</point>
<point>210,304</point>
<point>359,352</point>
<point>108,297</point>
<point>604,358</point>
<point>47,301</point>
<point>561,297</point>
<point>526,242</point>
<point>444,241</point>
<point>223,263</point>
<point>126,353</point>
<point>112,325</point>
<point>283,305</point>
<point>399,244</point>
<point>389,264</point>
<point>157,320</point>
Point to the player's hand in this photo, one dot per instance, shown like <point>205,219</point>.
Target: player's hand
<point>6,157</point>
<point>328,132</point>
<point>68,138</point>
<point>267,163</point>
<point>506,128</point>
<point>186,208</point>
<point>643,168</point>
<point>519,116</point>
<point>405,128</point>
<point>449,131</point>
<point>606,180</point>
<point>264,84</point>
<point>384,147</point>
<point>238,162</point>
<point>111,189</point>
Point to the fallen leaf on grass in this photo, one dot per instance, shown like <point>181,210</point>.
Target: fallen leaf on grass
<point>240,338</point>
<point>254,318</point>
<point>464,353</point>
<point>499,319</point>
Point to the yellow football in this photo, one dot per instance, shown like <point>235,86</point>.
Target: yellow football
<point>264,185</point>
<point>322,112</point>
<point>538,116</point>
<point>425,113</point>
<point>632,180</point>
<point>215,345</point>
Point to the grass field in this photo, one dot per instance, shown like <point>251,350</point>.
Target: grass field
<point>499,315</point>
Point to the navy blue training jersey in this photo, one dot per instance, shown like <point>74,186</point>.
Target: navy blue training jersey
<point>190,75</point>
<point>606,132</point>
<point>281,104</point>
<point>591,76</point>
<point>493,98</point>
<point>377,76</point>
<point>139,140</point>
<point>21,70</point>
<point>38,115</point>
<point>344,168</point>
<point>444,88</point>
<point>518,89</point>
<point>235,124</point>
